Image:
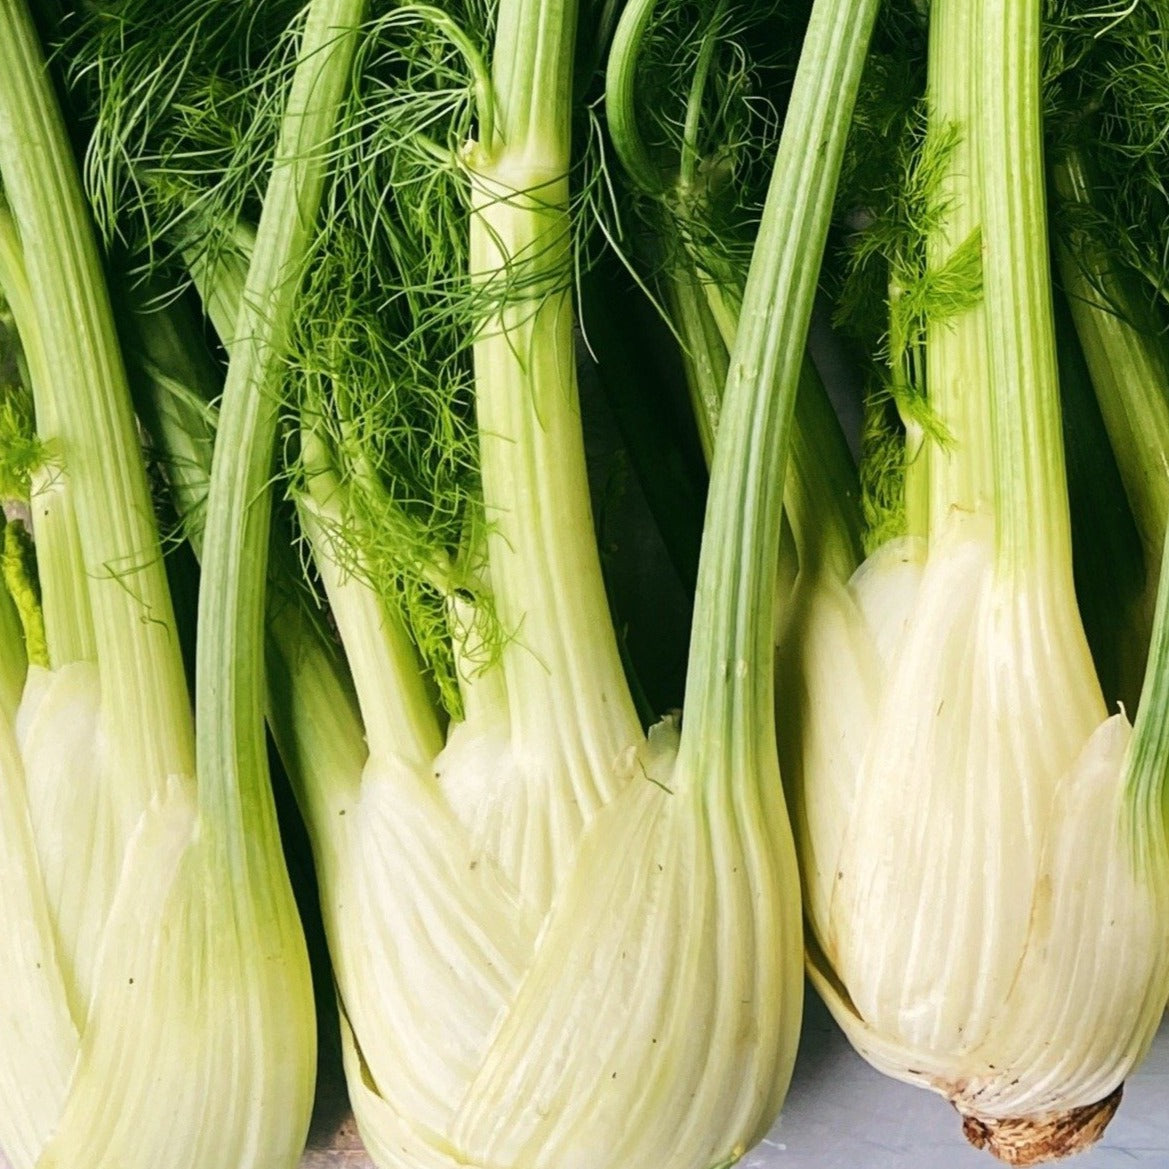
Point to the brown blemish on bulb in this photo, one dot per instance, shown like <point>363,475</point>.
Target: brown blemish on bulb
<point>1031,1140</point>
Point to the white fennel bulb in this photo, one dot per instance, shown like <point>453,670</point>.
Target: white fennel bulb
<point>982,842</point>
<point>980,868</point>
<point>155,1000</point>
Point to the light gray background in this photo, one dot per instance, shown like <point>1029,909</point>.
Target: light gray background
<point>841,1114</point>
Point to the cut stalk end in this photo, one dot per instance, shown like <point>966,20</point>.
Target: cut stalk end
<point>1032,1140</point>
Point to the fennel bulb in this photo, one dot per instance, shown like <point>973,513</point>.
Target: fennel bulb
<point>557,941</point>
<point>978,892</point>
<point>982,845</point>
<point>132,974</point>
<point>155,1000</point>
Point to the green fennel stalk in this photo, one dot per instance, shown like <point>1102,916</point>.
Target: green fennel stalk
<point>1129,366</point>
<point>229,671</point>
<point>700,241</point>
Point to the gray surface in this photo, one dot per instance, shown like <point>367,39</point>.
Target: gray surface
<point>841,1114</point>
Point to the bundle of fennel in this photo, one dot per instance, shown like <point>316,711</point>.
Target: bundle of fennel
<point>527,863</point>
<point>556,937</point>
